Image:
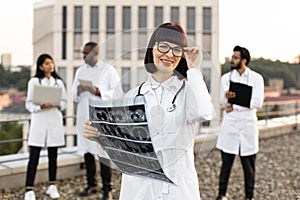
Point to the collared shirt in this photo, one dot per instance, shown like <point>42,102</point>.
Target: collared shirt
<point>106,78</point>
<point>239,132</point>
<point>172,135</point>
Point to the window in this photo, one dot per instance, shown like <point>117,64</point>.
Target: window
<point>141,75</point>
<point>206,77</point>
<point>110,31</point>
<point>142,36</point>
<point>64,33</point>
<point>207,24</point>
<point>126,78</point>
<point>191,23</point>
<point>94,24</point>
<point>62,73</point>
<point>158,13</point>
<point>77,32</point>
<point>126,36</point>
<point>175,14</point>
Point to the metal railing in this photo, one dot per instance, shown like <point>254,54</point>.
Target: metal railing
<point>270,110</point>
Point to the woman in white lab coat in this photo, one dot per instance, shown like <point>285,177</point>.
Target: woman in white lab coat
<point>46,128</point>
<point>176,99</point>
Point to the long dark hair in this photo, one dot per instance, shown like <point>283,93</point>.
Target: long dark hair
<point>169,32</point>
<point>39,62</point>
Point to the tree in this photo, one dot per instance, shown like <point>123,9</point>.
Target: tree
<point>10,130</point>
<point>273,69</point>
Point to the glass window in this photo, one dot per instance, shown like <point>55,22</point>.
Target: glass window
<point>126,36</point>
<point>141,75</point>
<point>191,21</point>
<point>126,46</point>
<point>158,13</point>
<point>142,37</point>
<point>77,31</point>
<point>175,14</point>
<point>206,46</point>
<point>142,42</point>
<point>207,32</point>
<point>94,24</point>
<point>142,17</point>
<point>78,19</point>
<point>126,24</point>
<point>110,31</point>
<point>207,20</point>
<point>62,73</point>
<point>64,33</point>
<point>110,19</point>
<point>126,78</point>
<point>110,46</point>
<point>206,77</point>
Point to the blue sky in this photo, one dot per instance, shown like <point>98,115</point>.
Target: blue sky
<point>268,28</point>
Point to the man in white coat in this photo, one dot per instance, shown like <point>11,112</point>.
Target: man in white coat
<point>239,132</point>
<point>97,80</point>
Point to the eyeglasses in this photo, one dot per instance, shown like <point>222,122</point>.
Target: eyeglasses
<point>235,57</point>
<point>177,51</point>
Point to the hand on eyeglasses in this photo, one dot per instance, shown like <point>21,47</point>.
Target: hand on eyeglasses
<point>193,56</point>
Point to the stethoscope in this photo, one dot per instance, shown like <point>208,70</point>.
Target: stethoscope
<point>172,107</point>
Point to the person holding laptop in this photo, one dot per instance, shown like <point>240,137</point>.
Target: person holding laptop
<point>241,94</point>
<point>46,127</point>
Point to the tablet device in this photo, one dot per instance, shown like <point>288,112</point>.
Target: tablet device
<point>46,94</point>
<point>86,83</point>
<point>243,94</point>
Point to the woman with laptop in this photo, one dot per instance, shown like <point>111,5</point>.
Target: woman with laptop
<point>46,128</point>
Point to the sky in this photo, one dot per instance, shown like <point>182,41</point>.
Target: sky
<point>267,28</point>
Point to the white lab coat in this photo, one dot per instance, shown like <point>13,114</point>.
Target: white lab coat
<point>172,134</point>
<point>239,132</point>
<point>46,127</point>
<point>106,78</point>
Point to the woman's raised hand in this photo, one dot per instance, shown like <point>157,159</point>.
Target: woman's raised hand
<point>193,56</point>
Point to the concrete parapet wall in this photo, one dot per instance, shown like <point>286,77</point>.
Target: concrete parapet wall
<point>13,167</point>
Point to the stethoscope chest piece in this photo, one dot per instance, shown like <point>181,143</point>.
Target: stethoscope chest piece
<point>171,108</point>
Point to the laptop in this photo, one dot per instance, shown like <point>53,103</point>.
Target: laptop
<point>46,94</point>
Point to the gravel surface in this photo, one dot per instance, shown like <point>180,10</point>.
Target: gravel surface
<point>277,175</point>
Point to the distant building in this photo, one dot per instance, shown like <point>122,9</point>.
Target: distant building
<point>6,61</point>
<point>122,29</point>
<point>276,84</point>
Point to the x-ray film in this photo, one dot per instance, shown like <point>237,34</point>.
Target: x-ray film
<point>125,136</point>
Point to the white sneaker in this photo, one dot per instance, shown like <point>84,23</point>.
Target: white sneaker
<point>29,195</point>
<point>52,192</point>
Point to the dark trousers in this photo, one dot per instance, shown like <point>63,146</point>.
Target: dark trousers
<point>248,163</point>
<point>105,169</point>
<point>34,155</point>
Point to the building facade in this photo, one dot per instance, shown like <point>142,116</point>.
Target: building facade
<point>6,61</point>
<point>122,30</point>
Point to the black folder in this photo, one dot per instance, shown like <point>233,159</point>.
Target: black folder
<point>243,94</point>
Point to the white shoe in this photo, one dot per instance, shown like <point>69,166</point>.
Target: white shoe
<point>29,195</point>
<point>52,192</point>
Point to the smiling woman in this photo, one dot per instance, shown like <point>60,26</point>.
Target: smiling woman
<point>174,79</point>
